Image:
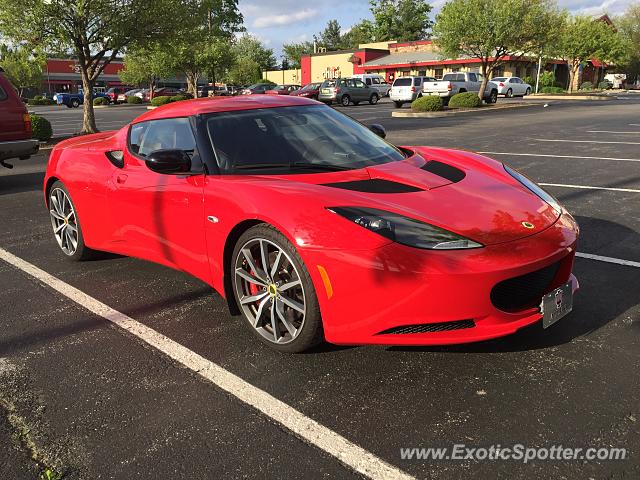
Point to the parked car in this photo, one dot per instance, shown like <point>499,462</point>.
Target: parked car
<point>460,82</point>
<point>378,83</point>
<point>313,228</point>
<point>159,92</point>
<point>511,86</point>
<point>217,90</point>
<point>15,134</point>
<point>346,91</point>
<point>114,92</point>
<point>310,90</point>
<point>123,97</point>
<point>74,100</point>
<point>283,89</point>
<point>407,89</point>
<point>257,88</point>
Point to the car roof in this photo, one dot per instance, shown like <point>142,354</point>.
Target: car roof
<point>199,106</point>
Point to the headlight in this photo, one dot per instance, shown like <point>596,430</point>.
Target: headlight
<point>534,188</point>
<point>405,230</point>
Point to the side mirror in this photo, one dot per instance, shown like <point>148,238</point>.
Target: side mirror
<point>378,130</point>
<point>169,161</point>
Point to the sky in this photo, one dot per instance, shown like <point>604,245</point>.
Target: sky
<point>276,22</point>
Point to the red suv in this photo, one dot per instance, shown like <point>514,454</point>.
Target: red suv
<point>15,125</point>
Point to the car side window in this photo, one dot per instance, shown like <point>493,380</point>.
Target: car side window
<point>375,81</point>
<point>472,77</point>
<point>3,94</point>
<point>166,134</point>
<point>359,84</point>
<point>368,81</point>
<point>416,81</point>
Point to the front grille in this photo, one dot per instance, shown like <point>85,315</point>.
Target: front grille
<point>429,327</point>
<point>525,291</point>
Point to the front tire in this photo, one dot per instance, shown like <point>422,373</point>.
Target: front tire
<point>66,225</point>
<point>75,103</point>
<point>528,92</point>
<point>274,291</point>
<point>373,99</point>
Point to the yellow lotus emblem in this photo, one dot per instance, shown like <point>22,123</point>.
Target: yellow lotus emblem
<point>528,225</point>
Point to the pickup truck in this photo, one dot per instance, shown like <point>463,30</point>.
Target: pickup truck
<point>15,134</point>
<point>460,82</point>
<point>74,100</point>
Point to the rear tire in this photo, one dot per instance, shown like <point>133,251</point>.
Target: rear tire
<point>66,224</point>
<point>398,104</point>
<point>345,101</point>
<point>509,93</point>
<point>288,320</point>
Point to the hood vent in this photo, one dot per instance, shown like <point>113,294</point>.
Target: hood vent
<point>444,170</point>
<point>374,186</point>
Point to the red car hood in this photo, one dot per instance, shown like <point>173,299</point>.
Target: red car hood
<point>487,205</point>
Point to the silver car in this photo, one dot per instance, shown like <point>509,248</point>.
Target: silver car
<point>407,89</point>
<point>511,86</point>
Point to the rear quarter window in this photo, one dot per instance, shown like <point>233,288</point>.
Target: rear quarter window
<point>3,94</point>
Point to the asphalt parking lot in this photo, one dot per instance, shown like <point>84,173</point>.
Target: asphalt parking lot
<point>84,396</point>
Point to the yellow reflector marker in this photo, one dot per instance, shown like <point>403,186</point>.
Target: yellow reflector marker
<point>326,281</point>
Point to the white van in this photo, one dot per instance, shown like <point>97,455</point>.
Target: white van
<point>374,81</point>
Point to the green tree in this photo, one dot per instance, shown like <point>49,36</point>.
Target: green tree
<point>582,38</point>
<point>146,66</point>
<point>629,27</point>
<point>362,32</point>
<point>489,30</point>
<point>248,47</point>
<point>200,47</point>
<point>94,31</point>
<point>330,37</point>
<point>402,20</point>
<point>294,51</point>
<point>22,66</point>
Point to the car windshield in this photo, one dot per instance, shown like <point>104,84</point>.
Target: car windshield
<point>294,140</point>
<point>310,86</point>
<point>499,79</point>
<point>402,82</point>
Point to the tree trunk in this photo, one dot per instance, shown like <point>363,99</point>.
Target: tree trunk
<point>88,118</point>
<point>573,71</point>
<point>192,83</point>
<point>485,80</point>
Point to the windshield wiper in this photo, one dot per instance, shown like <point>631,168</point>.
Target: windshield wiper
<point>292,166</point>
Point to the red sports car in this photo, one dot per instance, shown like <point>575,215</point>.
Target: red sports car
<point>313,227</point>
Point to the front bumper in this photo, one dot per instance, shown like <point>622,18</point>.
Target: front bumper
<point>374,291</point>
<point>21,149</point>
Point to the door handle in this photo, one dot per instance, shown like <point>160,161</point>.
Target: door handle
<point>121,178</point>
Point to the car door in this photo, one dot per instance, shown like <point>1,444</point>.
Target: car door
<point>157,216</point>
<point>362,91</point>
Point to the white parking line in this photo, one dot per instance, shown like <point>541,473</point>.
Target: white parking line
<point>610,131</point>
<point>355,457</point>
<point>634,124</point>
<point>561,156</point>
<point>632,190</point>
<point>582,141</point>
<point>600,258</point>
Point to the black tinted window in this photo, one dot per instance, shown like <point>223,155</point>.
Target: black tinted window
<point>170,133</point>
<point>416,81</point>
<point>402,82</point>
<point>3,94</point>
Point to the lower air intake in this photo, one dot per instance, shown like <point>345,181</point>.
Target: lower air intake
<point>429,327</point>
<point>525,291</point>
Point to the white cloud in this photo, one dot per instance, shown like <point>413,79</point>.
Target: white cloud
<point>266,21</point>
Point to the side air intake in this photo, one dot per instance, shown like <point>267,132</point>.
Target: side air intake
<point>374,186</point>
<point>444,170</point>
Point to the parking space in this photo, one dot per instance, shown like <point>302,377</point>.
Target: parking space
<point>101,402</point>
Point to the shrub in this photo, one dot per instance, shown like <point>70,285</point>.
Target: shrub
<point>531,81</point>
<point>586,86</point>
<point>40,128</point>
<point>161,100</point>
<point>40,100</point>
<point>179,98</point>
<point>427,104</point>
<point>552,90</point>
<point>465,100</point>
<point>547,79</point>
<point>605,85</point>
<point>134,100</point>
<point>100,101</point>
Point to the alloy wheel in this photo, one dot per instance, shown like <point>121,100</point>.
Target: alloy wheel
<point>269,290</point>
<point>63,221</point>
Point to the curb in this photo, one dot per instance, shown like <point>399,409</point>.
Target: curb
<point>569,97</point>
<point>448,113</point>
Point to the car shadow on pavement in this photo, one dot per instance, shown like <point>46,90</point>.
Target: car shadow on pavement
<point>21,182</point>
<point>607,292</point>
